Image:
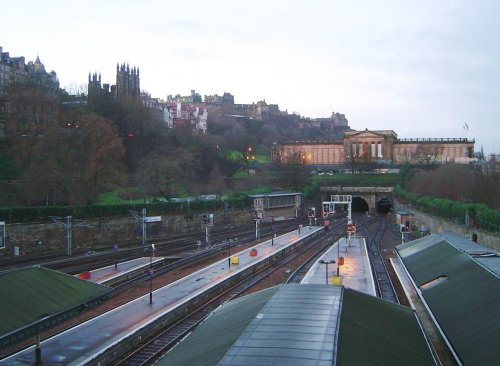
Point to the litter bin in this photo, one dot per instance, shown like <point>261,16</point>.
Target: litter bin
<point>235,259</point>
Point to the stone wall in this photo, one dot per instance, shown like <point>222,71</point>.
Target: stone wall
<point>102,233</point>
<point>437,225</point>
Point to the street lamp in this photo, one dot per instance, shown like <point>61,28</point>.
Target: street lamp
<point>115,249</point>
<point>338,258</point>
<point>327,263</point>
<point>229,257</point>
<point>151,274</point>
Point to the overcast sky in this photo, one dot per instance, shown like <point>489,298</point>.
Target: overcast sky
<point>421,68</point>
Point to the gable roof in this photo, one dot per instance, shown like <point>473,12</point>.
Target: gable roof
<point>297,324</point>
<point>366,132</point>
<point>35,298</point>
<point>461,291</point>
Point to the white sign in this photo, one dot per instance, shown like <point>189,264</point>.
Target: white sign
<point>153,218</point>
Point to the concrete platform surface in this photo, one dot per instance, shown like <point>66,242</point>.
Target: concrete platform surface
<point>356,271</point>
<point>85,342</point>
<point>108,273</point>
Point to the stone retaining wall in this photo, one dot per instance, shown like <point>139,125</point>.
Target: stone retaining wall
<point>34,239</point>
<point>437,225</point>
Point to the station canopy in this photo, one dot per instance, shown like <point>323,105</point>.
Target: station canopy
<point>35,298</point>
<point>459,280</point>
<point>305,324</point>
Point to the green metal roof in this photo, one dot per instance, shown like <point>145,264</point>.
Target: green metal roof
<point>36,298</point>
<point>211,339</point>
<point>377,332</point>
<point>254,330</point>
<point>462,294</point>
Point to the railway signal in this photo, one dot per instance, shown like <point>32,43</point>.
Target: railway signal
<point>326,209</point>
<point>311,213</point>
<point>257,217</point>
<point>404,228</point>
<point>208,221</point>
<point>351,228</point>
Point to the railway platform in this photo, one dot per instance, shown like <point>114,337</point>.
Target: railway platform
<point>354,273</point>
<point>105,274</point>
<point>93,342</point>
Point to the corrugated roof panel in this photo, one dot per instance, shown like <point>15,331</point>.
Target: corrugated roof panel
<point>378,332</point>
<point>297,325</point>
<point>467,304</point>
<point>302,337</point>
<point>31,294</point>
<point>491,263</point>
<point>211,339</point>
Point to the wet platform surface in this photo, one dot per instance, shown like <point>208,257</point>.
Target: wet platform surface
<point>108,273</point>
<point>83,343</point>
<point>356,271</point>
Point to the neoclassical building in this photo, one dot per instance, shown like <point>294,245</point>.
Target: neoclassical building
<point>378,146</point>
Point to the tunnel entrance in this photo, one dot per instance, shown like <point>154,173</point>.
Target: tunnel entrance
<point>384,206</point>
<point>358,204</point>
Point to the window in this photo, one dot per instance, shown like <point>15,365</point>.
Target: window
<point>373,153</point>
<point>379,150</point>
<point>436,281</point>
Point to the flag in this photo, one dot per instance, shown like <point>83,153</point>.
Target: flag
<point>466,127</point>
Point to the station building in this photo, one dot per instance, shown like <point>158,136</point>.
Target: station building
<point>276,206</point>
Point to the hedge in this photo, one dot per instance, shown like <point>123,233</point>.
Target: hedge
<point>40,214</point>
<point>480,215</point>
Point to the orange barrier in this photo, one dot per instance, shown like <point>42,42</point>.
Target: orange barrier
<point>85,275</point>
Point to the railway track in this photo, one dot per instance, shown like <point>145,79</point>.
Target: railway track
<point>161,343</point>
<point>301,271</point>
<point>383,283</point>
<point>165,247</point>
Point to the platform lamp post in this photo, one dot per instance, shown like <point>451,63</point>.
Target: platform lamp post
<point>151,274</point>
<point>326,263</point>
<point>229,253</point>
<point>115,248</point>
<point>338,258</point>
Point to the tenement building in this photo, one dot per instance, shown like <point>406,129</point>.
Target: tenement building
<point>378,147</point>
<point>16,70</point>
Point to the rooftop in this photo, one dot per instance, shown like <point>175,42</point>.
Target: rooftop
<point>35,298</point>
<point>461,287</point>
<point>305,325</point>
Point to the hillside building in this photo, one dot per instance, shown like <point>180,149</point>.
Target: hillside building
<point>381,146</point>
<point>16,70</point>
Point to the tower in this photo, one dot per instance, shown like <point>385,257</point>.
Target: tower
<point>127,82</point>
<point>94,84</point>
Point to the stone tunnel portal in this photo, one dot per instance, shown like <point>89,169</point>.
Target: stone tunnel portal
<point>384,206</point>
<point>359,205</point>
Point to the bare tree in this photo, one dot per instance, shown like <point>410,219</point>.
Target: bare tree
<point>163,174</point>
<point>428,153</point>
<point>291,168</point>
